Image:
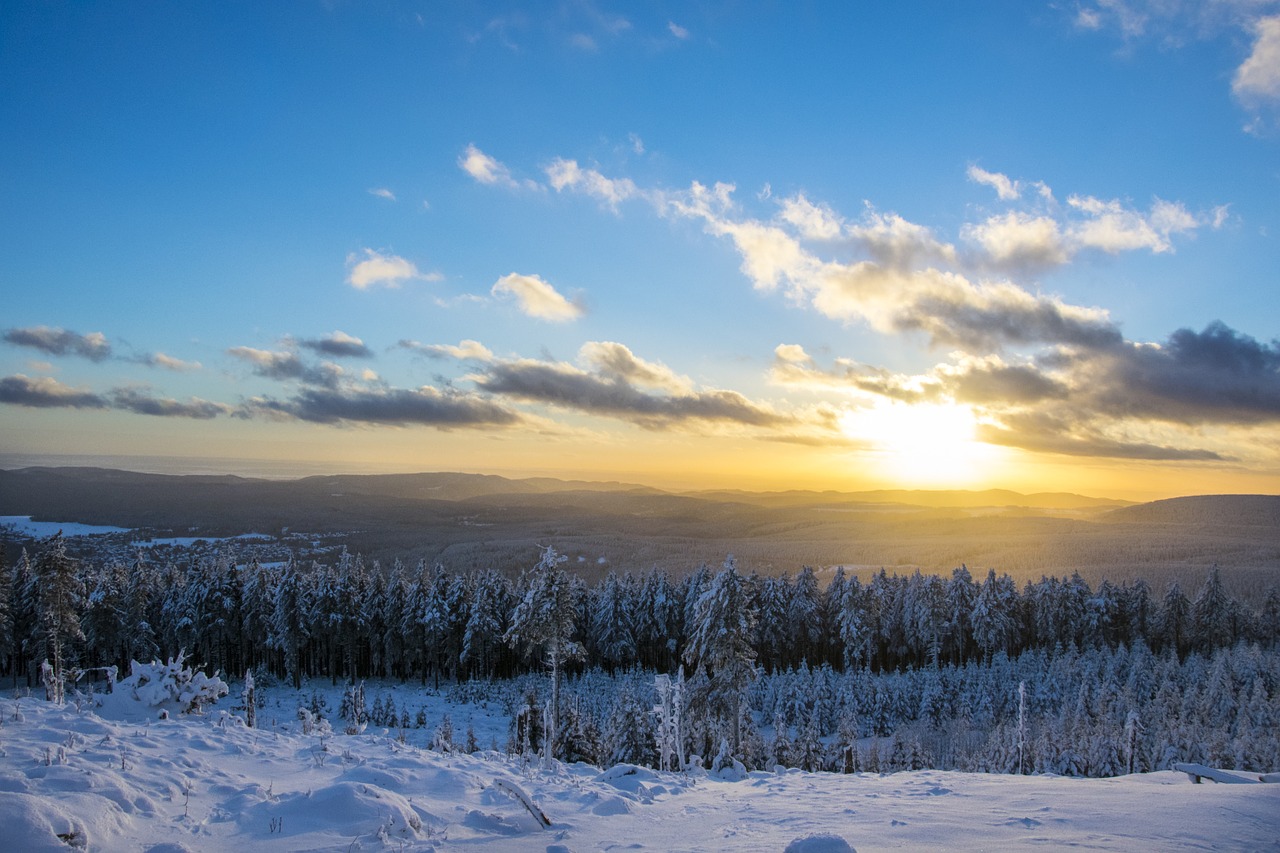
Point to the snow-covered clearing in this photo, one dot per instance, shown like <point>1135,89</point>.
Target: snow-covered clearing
<point>117,778</point>
<point>24,525</point>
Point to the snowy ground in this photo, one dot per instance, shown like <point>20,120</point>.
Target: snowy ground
<point>116,779</point>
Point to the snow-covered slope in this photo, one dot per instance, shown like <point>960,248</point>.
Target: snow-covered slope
<point>72,779</point>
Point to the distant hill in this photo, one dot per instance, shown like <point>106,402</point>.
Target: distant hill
<point>1249,510</point>
<point>474,522</point>
<point>937,498</point>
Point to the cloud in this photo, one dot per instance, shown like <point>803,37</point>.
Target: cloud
<point>1016,239</point>
<point>536,298</point>
<point>567,174</point>
<point>383,192</point>
<point>891,292</point>
<point>424,406</point>
<point>616,361</point>
<point>466,350</point>
<point>1111,227</point>
<point>1051,236</point>
<point>1050,435</point>
<point>159,359</point>
<point>141,403</point>
<point>47,393</point>
<point>287,366</point>
<point>1006,189</point>
<point>1216,376</point>
<point>677,30</point>
<point>57,341</point>
<point>487,170</point>
<point>44,392</point>
<point>894,242</point>
<point>377,269</point>
<point>338,345</point>
<point>1258,77</point>
<point>813,222</point>
<point>569,387</point>
<point>1256,81</point>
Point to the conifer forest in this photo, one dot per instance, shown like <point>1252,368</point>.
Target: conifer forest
<point>880,673</point>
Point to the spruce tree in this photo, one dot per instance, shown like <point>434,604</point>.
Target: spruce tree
<point>720,647</point>
<point>59,602</point>
<point>545,619</point>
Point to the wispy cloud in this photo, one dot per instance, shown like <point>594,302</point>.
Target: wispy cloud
<point>141,402</point>
<point>382,192</point>
<point>376,269</point>
<point>613,382</point>
<point>536,298</point>
<point>677,30</point>
<point>168,362</point>
<point>487,170</point>
<point>895,290</point>
<point>44,392</point>
<point>1046,234</point>
<point>1006,189</point>
<point>284,366</point>
<point>1256,80</point>
<point>338,345</point>
<point>426,406</point>
<point>47,393</point>
<point>58,341</point>
<point>1258,77</point>
<point>568,175</point>
<point>466,350</point>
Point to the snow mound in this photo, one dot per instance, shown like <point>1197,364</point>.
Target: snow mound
<point>37,824</point>
<point>341,806</point>
<point>819,844</point>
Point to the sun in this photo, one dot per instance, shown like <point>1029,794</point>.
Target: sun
<point>924,445</point>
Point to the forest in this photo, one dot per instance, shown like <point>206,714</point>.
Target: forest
<point>897,672</point>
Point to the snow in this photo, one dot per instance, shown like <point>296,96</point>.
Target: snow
<point>44,529</point>
<point>23,525</point>
<point>197,783</point>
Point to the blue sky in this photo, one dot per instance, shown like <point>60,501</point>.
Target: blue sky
<point>824,245</point>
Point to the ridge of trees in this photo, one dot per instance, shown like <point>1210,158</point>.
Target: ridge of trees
<point>349,619</point>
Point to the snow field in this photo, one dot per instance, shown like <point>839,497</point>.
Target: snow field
<point>116,779</point>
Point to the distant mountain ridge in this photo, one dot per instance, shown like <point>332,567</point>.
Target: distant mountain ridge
<point>1249,510</point>
<point>19,486</point>
<point>473,522</point>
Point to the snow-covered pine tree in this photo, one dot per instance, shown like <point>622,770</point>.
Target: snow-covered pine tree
<point>250,700</point>
<point>60,601</point>
<point>288,627</point>
<point>612,622</point>
<point>780,747</point>
<point>485,623</point>
<point>142,612</point>
<point>545,619</point>
<point>720,647</point>
<point>669,733</point>
<point>1213,615</point>
<point>1174,630</point>
<point>6,611</point>
<point>23,616</point>
<point>855,636</point>
<point>804,616</point>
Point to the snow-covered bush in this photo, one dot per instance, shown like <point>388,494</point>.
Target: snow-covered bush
<point>172,686</point>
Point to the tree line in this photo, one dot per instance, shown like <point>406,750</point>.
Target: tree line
<point>349,619</point>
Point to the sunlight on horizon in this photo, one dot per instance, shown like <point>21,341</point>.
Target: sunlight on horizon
<point>926,445</point>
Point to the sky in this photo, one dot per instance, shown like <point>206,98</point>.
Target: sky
<point>1029,245</point>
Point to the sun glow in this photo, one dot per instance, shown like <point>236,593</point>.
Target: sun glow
<point>925,445</point>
